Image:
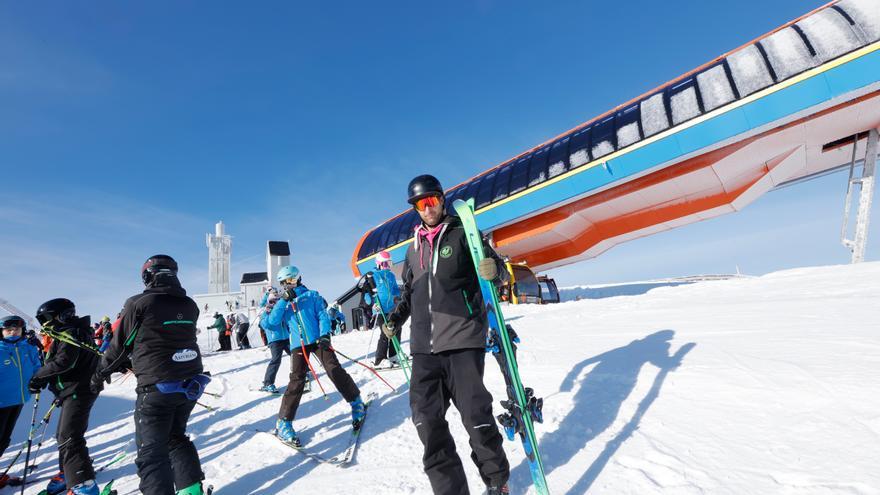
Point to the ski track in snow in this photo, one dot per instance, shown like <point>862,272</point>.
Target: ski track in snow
<point>757,385</point>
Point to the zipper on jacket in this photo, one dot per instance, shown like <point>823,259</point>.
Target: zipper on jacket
<point>432,265</point>
<point>466,302</point>
<point>20,376</point>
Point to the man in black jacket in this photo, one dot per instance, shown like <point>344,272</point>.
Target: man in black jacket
<point>448,331</point>
<point>68,366</point>
<point>157,333</point>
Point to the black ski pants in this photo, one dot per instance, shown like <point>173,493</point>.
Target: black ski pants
<point>455,376</point>
<point>277,348</point>
<point>166,457</point>
<point>8,417</point>
<point>225,341</point>
<point>241,336</point>
<point>73,454</point>
<point>298,369</point>
<point>384,349</point>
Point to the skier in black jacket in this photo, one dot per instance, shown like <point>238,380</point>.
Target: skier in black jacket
<point>157,332</point>
<point>68,366</point>
<point>448,332</point>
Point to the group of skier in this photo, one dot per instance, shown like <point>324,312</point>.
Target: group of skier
<point>155,339</point>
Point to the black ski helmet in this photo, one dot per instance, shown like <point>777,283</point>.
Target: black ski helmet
<point>421,186</point>
<point>158,265</point>
<point>60,309</point>
<point>13,321</point>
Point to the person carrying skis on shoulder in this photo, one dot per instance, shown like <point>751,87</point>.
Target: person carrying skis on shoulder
<point>305,313</point>
<point>157,335</point>
<point>70,361</point>
<point>383,283</point>
<point>21,360</point>
<point>448,331</point>
<point>278,341</point>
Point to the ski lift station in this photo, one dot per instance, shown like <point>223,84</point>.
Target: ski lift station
<point>798,102</point>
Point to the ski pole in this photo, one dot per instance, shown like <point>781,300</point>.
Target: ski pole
<point>62,337</point>
<point>365,366</point>
<point>212,394</point>
<point>30,441</point>
<point>404,361</point>
<point>303,346</point>
<point>43,422</point>
<point>206,406</point>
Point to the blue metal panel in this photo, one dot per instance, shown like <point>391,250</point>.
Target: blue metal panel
<point>645,157</point>
<point>712,131</point>
<point>856,74</point>
<point>787,101</point>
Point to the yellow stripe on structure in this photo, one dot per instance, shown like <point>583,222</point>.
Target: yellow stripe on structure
<point>815,71</point>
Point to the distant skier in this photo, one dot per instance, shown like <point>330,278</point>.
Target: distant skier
<point>21,361</point>
<point>305,313</point>
<point>157,333</point>
<point>278,340</point>
<point>383,281</point>
<point>222,338</point>
<point>448,333</point>
<point>242,324</point>
<point>337,319</point>
<point>69,366</point>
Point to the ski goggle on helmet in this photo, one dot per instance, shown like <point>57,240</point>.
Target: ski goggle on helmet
<point>383,260</point>
<point>422,204</point>
<point>288,275</point>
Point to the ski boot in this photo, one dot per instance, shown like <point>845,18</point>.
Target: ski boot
<point>88,487</point>
<point>358,412</point>
<point>395,362</point>
<point>56,484</point>
<point>498,490</point>
<point>269,388</point>
<point>285,432</point>
<point>307,387</point>
<point>194,489</point>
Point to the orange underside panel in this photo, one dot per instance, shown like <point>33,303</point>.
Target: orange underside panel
<point>547,221</point>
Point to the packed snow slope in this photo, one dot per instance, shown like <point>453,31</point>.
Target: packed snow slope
<point>753,385</point>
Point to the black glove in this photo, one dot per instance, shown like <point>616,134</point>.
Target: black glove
<point>324,342</point>
<point>36,384</point>
<point>33,340</point>
<point>96,385</point>
<point>288,294</point>
<point>366,283</point>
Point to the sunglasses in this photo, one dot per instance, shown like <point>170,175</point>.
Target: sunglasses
<point>427,202</point>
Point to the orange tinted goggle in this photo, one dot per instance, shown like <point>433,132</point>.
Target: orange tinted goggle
<point>427,202</point>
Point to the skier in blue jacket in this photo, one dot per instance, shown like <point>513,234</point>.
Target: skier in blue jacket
<point>304,312</point>
<point>19,360</point>
<point>277,339</point>
<point>385,299</point>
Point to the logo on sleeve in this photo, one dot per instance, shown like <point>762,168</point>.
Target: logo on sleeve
<point>446,251</point>
<point>184,355</point>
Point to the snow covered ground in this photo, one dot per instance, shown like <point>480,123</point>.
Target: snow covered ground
<point>757,385</point>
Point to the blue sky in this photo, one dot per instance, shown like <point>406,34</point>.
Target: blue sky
<point>129,129</point>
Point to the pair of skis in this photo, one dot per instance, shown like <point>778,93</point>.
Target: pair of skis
<point>344,458</point>
<point>120,455</point>
<point>523,409</point>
